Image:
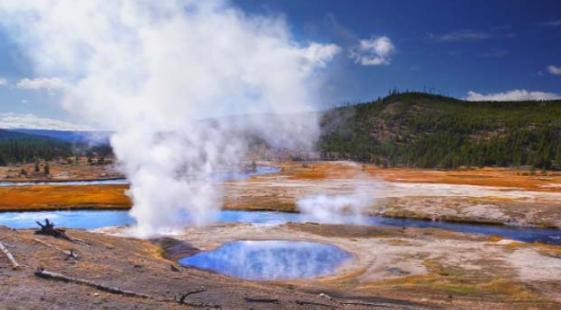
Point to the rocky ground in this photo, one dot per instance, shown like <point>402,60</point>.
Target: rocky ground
<point>391,268</point>
<point>425,266</point>
<point>146,268</point>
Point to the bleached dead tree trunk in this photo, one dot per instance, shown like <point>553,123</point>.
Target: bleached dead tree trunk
<point>9,255</point>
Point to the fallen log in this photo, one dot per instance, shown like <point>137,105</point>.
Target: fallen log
<point>262,300</point>
<point>42,273</point>
<point>72,254</point>
<point>313,303</point>
<point>10,257</point>
<point>181,299</point>
<point>369,304</point>
<point>69,253</point>
<point>50,275</point>
<point>202,305</point>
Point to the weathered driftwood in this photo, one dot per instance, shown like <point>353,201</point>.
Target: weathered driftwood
<point>10,257</point>
<point>72,254</point>
<point>370,304</point>
<point>262,300</point>
<point>69,253</point>
<point>313,303</point>
<point>45,274</point>
<point>381,305</point>
<point>42,273</point>
<point>202,305</point>
<point>182,298</point>
<point>48,229</point>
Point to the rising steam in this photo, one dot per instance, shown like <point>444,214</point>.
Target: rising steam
<point>349,207</point>
<point>336,209</point>
<point>164,75</point>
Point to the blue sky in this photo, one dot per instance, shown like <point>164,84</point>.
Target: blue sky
<point>447,46</point>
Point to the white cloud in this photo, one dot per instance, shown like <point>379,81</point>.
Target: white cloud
<point>41,83</point>
<point>373,52</point>
<point>462,35</point>
<point>3,82</point>
<point>553,23</point>
<point>513,95</point>
<point>30,121</point>
<point>320,54</point>
<point>554,70</point>
<point>494,53</point>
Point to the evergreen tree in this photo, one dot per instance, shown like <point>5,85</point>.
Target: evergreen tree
<point>47,169</point>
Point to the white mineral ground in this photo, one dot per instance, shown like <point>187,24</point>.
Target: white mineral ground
<point>381,254</point>
<point>470,203</point>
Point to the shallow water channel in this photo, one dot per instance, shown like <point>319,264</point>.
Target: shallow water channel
<point>91,219</point>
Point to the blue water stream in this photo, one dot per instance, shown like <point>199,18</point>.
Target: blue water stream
<point>91,219</point>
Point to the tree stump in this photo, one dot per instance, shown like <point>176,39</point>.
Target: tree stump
<point>48,229</point>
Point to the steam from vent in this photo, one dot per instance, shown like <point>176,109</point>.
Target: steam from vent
<point>350,207</point>
<point>335,209</point>
<point>164,75</point>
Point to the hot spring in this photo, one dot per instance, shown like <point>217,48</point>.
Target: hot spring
<point>270,259</point>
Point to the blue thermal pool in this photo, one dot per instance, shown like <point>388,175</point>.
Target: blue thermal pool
<point>91,219</point>
<point>270,260</point>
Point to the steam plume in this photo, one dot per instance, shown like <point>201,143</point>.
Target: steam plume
<point>152,70</point>
<point>349,207</point>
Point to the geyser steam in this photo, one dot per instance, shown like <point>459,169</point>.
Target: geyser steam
<point>348,207</point>
<point>155,72</point>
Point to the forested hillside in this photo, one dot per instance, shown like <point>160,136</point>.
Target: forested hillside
<point>20,147</point>
<point>423,130</point>
<point>76,137</point>
<point>408,129</point>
